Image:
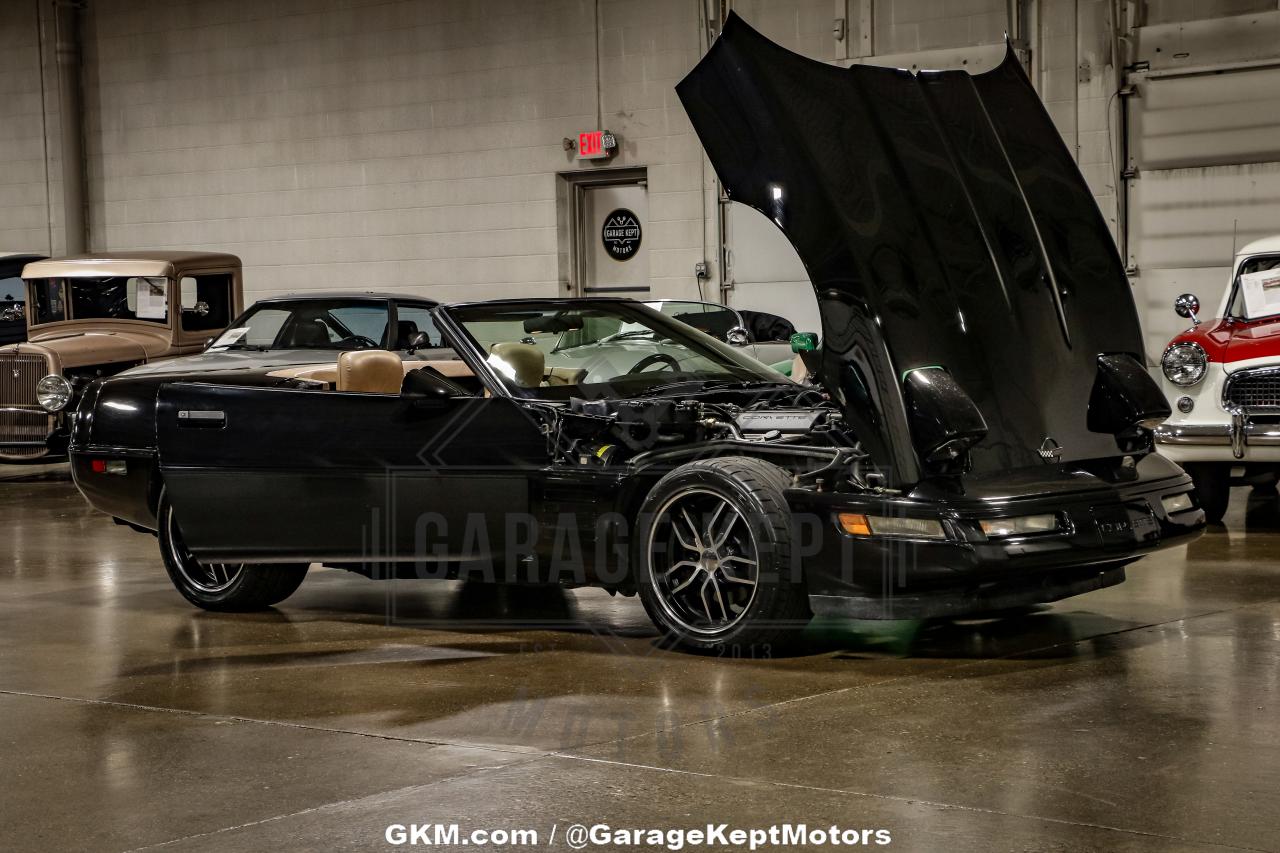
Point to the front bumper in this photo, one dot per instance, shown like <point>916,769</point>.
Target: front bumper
<point>1237,441</point>
<point>1101,529</point>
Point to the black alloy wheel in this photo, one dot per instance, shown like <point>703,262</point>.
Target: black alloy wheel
<point>229,587</point>
<point>713,554</point>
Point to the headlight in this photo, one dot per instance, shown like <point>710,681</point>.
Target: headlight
<point>1020,525</point>
<point>53,393</point>
<point>1184,364</point>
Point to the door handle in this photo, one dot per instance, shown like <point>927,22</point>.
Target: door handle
<point>201,419</point>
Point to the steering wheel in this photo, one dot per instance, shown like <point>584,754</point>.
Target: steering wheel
<point>360,341</point>
<point>669,361</point>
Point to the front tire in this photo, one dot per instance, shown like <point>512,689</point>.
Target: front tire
<point>714,557</point>
<point>1213,486</point>
<point>225,587</point>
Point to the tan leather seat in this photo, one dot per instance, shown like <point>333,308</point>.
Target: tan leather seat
<point>523,363</point>
<point>799,372</point>
<point>373,371</point>
<point>566,376</point>
<point>328,373</point>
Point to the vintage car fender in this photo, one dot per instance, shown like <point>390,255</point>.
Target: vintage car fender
<point>1209,423</point>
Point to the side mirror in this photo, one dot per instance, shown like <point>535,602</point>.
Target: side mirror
<point>737,337</point>
<point>804,342</point>
<point>417,342</point>
<point>1187,306</point>
<point>427,383</point>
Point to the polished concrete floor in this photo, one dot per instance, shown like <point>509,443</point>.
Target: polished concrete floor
<point>1144,717</point>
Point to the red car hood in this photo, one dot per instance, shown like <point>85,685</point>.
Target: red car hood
<point>1253,339</point>
<point>1229,341</point>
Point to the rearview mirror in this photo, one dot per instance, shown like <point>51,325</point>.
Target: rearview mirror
<point>1187,306</point>
<point>556,324</point>
<point>427,383</point>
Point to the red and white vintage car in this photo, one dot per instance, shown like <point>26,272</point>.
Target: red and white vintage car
<point>1222,377</point>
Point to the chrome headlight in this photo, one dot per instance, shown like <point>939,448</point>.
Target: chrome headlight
<point>1184,364</point>
<point>53,393</point>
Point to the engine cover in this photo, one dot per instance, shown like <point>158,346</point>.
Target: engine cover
<point>786,421</point>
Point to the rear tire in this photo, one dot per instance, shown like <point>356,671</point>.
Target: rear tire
<point>1213,487</point>
<point>224,587</point>
<point>713,557</point>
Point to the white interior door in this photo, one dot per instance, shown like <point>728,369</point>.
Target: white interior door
<point>611,240</point>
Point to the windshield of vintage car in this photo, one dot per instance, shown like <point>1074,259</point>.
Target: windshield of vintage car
<point>106,298</point>
<point>334,324</point>
<point>1265,301</point>
<point>13,295</point>
<point>602,349</point>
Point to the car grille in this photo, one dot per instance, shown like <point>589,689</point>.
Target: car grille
<point>24,426</point>
<point>1253,390</point>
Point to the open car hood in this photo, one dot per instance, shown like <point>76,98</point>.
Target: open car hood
<point>943,223</point>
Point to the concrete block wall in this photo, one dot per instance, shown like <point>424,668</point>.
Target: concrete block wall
<point>414,144</point>
<point>645,48</point>
<point>25,185</point>
<point>341,143</point>
<point>904,26</point>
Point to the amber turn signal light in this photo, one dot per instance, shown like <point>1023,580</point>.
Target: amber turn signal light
<point>854,523</point>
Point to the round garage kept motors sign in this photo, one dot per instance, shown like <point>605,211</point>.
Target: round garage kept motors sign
<point>621,234</point>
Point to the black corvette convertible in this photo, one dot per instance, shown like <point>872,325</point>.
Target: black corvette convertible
<point>979,436</point>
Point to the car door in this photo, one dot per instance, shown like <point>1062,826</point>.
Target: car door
<point>258,474</point>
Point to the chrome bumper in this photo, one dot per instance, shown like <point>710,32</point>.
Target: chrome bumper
<point>1239,434</point>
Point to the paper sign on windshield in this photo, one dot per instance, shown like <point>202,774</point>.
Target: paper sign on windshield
<point>1261,293</point>
<point>230,336</point>
<point>153,299</point>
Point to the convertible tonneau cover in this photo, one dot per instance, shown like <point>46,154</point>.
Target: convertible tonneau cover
<point>942,221</point>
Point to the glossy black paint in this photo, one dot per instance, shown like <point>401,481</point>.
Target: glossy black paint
<point>942,222</point>
<point>1078,496</point>
<point>948,235</point>
<point>1124,396</point>
<point>280,478</point>
<point>415,482</point>
<point>945,423</point>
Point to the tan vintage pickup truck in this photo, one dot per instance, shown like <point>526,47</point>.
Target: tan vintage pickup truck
<point>96,315</point>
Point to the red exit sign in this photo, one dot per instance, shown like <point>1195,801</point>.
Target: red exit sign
<point>596,145</point>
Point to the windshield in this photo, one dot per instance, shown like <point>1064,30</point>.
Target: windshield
<point>715,320</point>
<point>13,293</point>
<point>334,324</point>
<point>1255,293</point>
<point>106,298</point>
<point>602,349</point>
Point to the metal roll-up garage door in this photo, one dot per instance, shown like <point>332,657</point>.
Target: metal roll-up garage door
<point>1206,150</point>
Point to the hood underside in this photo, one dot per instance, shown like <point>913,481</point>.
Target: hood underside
<point>943,222</point>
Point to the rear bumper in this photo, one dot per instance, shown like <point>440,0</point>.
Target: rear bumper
<point>127,491</point>
<point>1100,530</point>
